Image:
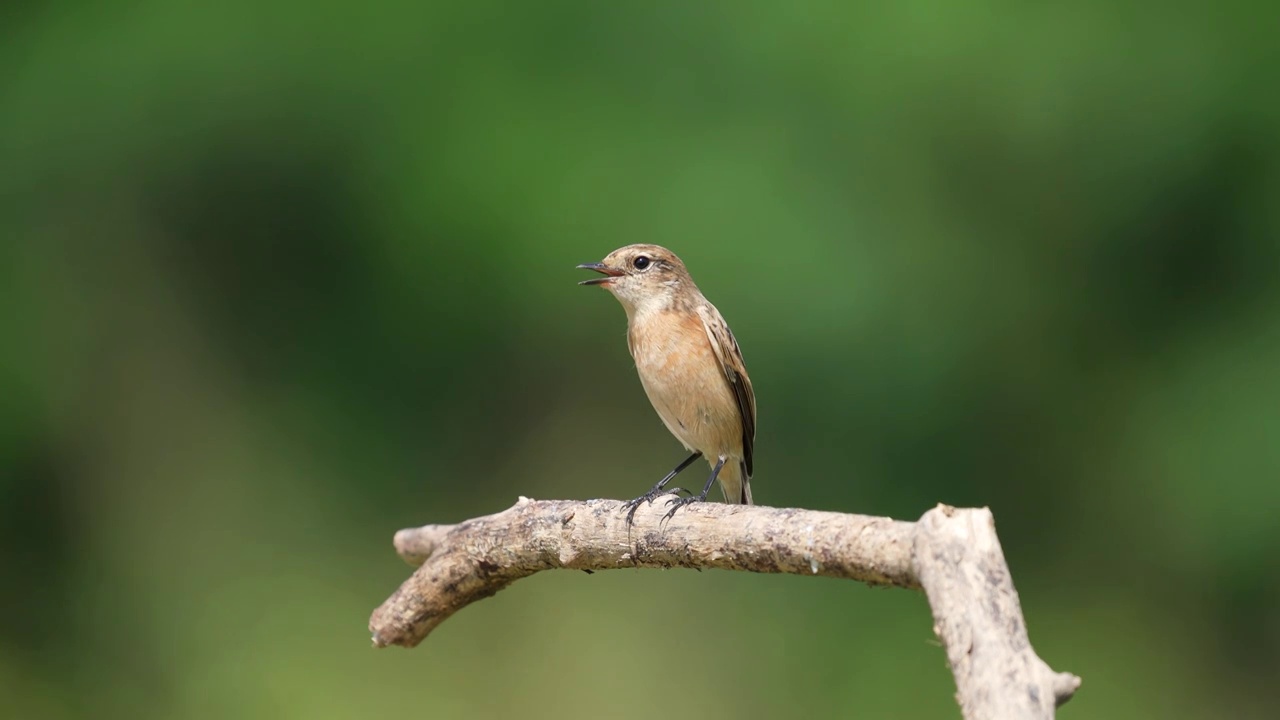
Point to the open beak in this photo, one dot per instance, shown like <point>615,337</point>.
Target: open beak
<point>608,272</point>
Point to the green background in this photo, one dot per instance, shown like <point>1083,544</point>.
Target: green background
<point>279,279</point>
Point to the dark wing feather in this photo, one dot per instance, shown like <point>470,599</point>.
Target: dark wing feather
<point>727,351</point>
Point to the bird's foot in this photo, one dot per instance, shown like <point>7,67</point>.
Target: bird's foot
<point>632,505</point>
<point>679,502</point>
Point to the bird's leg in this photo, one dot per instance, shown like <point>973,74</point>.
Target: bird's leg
<point>680,502</point>
<point>656,490</point>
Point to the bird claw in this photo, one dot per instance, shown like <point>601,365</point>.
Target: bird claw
<point>632,505</point>
<point>679,502</point>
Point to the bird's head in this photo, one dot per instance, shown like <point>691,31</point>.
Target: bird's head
<point>641,276</point>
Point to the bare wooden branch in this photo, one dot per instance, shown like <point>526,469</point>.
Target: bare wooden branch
<point>976,614</point>
<point>952,554</point>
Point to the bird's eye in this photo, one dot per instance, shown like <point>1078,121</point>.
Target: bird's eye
<point>641,262</point>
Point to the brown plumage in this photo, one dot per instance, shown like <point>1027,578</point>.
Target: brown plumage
<point>689,364</point>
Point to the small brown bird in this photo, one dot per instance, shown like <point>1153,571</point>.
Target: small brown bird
<point>690,366</point>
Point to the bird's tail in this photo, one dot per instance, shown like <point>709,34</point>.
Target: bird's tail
<point>735,483</point>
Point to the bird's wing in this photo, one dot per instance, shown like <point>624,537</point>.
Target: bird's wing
<point>735,371</point>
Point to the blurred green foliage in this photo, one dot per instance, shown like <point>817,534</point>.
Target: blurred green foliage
<point>279,279</point>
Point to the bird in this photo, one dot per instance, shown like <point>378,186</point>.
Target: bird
<point>690,366</point>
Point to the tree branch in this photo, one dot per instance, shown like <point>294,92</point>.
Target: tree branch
<point>952,554</point>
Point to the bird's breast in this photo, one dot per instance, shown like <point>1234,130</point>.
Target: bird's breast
<point>685,382</point>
